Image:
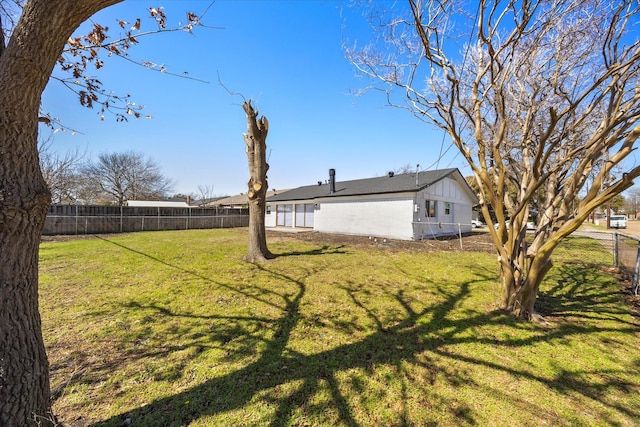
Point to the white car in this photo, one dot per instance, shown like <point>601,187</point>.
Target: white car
<point>476,223</point>
<point>530,225</point>
<point>497,224</point>
<point>618,221</point>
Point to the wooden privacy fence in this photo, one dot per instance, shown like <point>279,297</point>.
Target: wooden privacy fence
<point>90,219</point>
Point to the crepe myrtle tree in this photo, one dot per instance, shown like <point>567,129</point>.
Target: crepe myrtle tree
<point>539,96</point>
<point>30,48</point>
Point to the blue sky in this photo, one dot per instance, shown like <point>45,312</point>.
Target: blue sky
<point>287,57</point>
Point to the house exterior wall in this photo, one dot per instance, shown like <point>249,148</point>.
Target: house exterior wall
<point>381,216</point>
<point>447,195</point>
<point>270,215</point>
<point>401,216</point>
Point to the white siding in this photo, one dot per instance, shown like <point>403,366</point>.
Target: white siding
<point>380,216</point>
<point>270,217</point>
<point>459,220</point>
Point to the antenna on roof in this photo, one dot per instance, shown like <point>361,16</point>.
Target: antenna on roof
<point>417,173</point>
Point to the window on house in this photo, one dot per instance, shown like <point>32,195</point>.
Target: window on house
<point>430,208</point>
<point>447,208</point>
<point>268,209</point>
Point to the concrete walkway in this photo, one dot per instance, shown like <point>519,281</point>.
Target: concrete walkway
<point>290,229</point>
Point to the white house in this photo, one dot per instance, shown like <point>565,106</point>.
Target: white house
<point>411,206</point>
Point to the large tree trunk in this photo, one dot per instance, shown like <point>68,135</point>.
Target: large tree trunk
<point>256,141</point>
<point>25,67</point>
<point>523,267</point>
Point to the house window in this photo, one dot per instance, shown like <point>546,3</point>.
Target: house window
<point>447,208</point>
<point>430,208</point>
<point>268,209</point>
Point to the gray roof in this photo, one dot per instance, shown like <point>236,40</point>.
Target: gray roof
<point>399,183</point>
<point>240,199</point>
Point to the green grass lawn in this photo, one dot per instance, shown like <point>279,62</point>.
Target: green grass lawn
<point>173,328</point>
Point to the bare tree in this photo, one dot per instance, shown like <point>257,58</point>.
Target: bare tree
<point>87,51</point>
<point>542,102</point>
<point>205,194</point>
<point>256,142</point>
<point>632,200</point>
<point>406,168</point>
<point>119,177</point>
<point>60,171</point>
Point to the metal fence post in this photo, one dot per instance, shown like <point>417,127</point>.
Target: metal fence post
<point>616,258</point>
<point>636,270</point>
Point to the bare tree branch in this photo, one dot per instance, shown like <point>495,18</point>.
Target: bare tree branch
<point>541,101</point>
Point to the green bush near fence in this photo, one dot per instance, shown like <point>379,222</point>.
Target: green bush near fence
<point>173,328</point>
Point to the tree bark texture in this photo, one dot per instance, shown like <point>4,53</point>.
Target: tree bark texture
<point>520,288</point>
<point>25,67</point>
<point>256,142</point>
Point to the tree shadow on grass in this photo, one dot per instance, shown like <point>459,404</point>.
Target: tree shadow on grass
<point>273,368</point>
<point>579,285</point>
<point>220,338</point>
<point>324,250</point>
<point>423,338</point>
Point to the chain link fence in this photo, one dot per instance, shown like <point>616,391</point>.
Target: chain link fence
<point>626,253</point>
<point>625,250</point>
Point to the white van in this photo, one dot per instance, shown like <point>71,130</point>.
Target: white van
<point>618,221</point>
